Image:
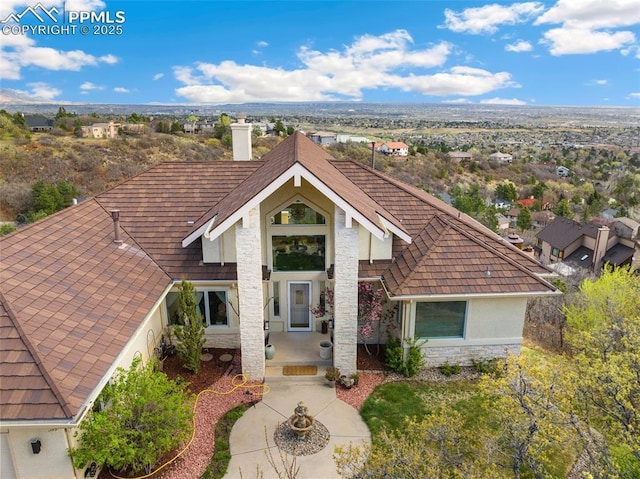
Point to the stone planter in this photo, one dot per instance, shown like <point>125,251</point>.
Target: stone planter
<point>325,349</point>
<point>269,351</point>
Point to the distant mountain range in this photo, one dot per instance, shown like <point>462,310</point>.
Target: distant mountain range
<point>15,97</point>
<point>14,100</point>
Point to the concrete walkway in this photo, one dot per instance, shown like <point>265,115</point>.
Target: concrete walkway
<point>249,441</point>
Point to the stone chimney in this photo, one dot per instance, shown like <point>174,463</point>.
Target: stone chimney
<point>600,248</point>
<point>241,139</point>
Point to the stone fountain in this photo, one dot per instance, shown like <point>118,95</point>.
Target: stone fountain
<point>301,422</point>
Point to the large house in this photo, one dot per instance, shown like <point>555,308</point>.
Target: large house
<point>589,246</point>
<point>85,290</point>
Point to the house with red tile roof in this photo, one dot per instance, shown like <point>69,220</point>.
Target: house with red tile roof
<point>84,291</point>
<point>394,148</point>
<point>527,202</point>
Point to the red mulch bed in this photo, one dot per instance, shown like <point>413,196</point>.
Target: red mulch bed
<point>370,368</point>
<point>208,374</point>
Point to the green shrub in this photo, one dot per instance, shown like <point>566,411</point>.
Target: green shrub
<point>7,228</point>
<point>415,360</point>
<point>486,366</point>
<point>394,354</point>
<point>450,369</point>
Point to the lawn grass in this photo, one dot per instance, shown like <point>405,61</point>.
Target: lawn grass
<point>217,468</point>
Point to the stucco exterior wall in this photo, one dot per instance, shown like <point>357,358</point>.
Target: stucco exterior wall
<point>51,463</point>
<point>371,248</point>
<point>493,327</point>
<point>220,250</point>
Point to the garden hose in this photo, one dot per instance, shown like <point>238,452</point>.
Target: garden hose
<point>238,381</point>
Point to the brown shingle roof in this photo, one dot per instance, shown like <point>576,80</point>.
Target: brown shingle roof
<point>77,298</point>
<point>26,391</point>
<point>157,206</point>
<point>423,267</point>
<point>561,232</point>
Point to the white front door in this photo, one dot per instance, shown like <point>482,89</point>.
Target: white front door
<point>299,298</point>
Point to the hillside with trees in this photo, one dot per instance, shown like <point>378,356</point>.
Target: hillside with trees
<point>601,176</point>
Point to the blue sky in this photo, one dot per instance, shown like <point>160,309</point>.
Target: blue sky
<point>563,52</point>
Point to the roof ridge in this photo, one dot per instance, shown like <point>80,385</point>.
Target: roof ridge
<point>415,245</point>
<point>36,357</point>
<point>418,193</point>
<point>387,212</point>
<point>499,253</point>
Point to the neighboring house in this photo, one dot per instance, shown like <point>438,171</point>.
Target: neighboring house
<point>501,157</point>
<point>562,171</point>
<point>85,290</point>
<point>190,127</point>
<point>588,246</point>
<point>626,228</point>
<point>527,202</point>
<point>101,130</point>
<point>540,219</point>
<point>38,123</point>
<point>459,156</point>
<point>352,139</point>
<point>500,203</point>
<point>323,138</point>
<point>504,223</point>
<point>394,148</point>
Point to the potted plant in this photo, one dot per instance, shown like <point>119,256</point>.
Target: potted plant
<point>355,377</point>
<point>332,376</point>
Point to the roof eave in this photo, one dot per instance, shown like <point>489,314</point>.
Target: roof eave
<point>450,297</point>
<point>296,171</point>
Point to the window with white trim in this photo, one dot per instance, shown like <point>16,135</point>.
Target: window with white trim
<point>441,319</point>
<point>211,304</point>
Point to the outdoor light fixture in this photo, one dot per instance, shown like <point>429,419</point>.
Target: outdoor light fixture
<point>331,324</point>
<point>36,445</point>
<point>266,325</point>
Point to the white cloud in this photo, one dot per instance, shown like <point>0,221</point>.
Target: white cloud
<point>566,41</point>
<point>459,101</point>
<point>43,91</point>
<point>384,61</point>
<point>488,18</point>
<point>120,89</point>
<point>519,46</point>
<point>634,95</point>
<point>26,54</point>
<point>262,44</point>
<point>590,26</point>
<point>157,76</point>
<point>592,14</point>
<point>86,86</point>
<point>502,101</point>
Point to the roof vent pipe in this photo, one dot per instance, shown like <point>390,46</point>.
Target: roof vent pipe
<point>115,215</point>
<point>373,155</point>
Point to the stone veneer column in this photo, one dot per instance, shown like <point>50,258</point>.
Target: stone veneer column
<point>249,261</point>
<point>345,347</point>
